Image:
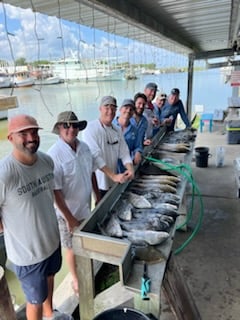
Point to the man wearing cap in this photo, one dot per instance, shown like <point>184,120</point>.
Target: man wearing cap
<point>28,216</point>
<point>74,179</point>
<point>172,107</point>
<point>150,91</point>
<point>158,105</point>
<point>107,144</point>
<point>130,132</point>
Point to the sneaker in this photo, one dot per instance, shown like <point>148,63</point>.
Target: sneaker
<point>58,316</point>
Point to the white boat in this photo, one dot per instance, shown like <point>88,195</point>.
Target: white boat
<point>22,79</point>
<point>5,80</point>
<point>88,70</point>
<point>48,81</point>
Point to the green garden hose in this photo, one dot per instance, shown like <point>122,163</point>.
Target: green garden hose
<point>186,171</point>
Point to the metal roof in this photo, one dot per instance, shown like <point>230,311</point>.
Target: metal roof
<point>204,28</point>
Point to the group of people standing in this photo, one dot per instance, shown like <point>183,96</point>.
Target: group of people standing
<point>44,197</point>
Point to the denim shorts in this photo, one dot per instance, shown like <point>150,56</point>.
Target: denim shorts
<point>34,278</point>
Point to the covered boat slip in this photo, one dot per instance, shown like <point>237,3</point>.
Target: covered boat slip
<point>89,244</point>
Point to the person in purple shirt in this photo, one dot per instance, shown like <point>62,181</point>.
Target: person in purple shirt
<point>172,107</point>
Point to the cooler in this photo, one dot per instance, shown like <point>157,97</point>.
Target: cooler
<point>233,131</point>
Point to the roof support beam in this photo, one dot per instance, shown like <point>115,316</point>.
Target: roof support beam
<point>215,54</point>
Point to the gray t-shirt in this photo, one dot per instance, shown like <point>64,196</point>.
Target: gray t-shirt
<point>26,207</point>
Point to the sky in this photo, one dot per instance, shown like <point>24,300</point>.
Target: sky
<point>34,36</point>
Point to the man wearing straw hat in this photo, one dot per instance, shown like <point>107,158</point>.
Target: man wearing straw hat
<point>74,179</point>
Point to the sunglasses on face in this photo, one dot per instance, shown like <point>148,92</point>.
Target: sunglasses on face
<point>67,125</point>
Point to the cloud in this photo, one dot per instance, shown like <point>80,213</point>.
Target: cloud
<point>35,36</point>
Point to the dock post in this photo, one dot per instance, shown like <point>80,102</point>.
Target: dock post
<point>6,307</point>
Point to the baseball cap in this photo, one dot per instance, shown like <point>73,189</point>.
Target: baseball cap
<point>175,91</point>
<point>128,102</point>
<point>163,96</point>
<point>151,85</point>
<point>22,122</point>
<point>108,100</point>
<point>68,117</point>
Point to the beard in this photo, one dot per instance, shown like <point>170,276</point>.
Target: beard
<point>29,147</point>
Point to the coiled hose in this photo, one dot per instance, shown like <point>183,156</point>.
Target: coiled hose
<point>185,171</point>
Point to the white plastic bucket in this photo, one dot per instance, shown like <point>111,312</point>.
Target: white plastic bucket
<point>220,155</point>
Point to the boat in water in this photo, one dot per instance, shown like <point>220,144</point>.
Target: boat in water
<point>87,70</point>
<point>43,75</point>
<point>22,79</point>
<point>48,81</point>
<point>5,80</point>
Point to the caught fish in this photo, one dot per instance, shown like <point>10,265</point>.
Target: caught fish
<point>156,212</point>
<point>112,228</point>
<point>162,187</point>
<point>156,181</point>
<point>175,147</point>
<point>164,206</point>
<point>154,222</point>
<point>138,201</point>
<point>123,209</point>
<point>161,177</point>
<point>157,195</point>
<point>162,197</point>
<point>141,237</point>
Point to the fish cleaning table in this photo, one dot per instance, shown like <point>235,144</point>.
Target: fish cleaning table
<point>89,245</point>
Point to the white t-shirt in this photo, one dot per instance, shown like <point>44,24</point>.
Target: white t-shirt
<point>107,145</point>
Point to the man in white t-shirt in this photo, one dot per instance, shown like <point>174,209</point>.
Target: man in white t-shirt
<point>107,144</point>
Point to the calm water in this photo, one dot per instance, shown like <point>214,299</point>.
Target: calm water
<point>83,98</point>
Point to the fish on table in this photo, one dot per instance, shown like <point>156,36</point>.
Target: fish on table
<point>112,228</point>
<point>153,186</point>
<point>175,147</point>
<point>158,195</point>
<point>156,181</point>
<point>172,213</point>
<point>154,223</point>
<point>123,209</point>
<point>138,201</point>
<point>160,176</point>
<point>143,237</point>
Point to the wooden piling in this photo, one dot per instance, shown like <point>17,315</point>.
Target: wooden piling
<point>6,307</point>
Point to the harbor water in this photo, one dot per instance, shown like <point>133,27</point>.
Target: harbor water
<point>83,98</point>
